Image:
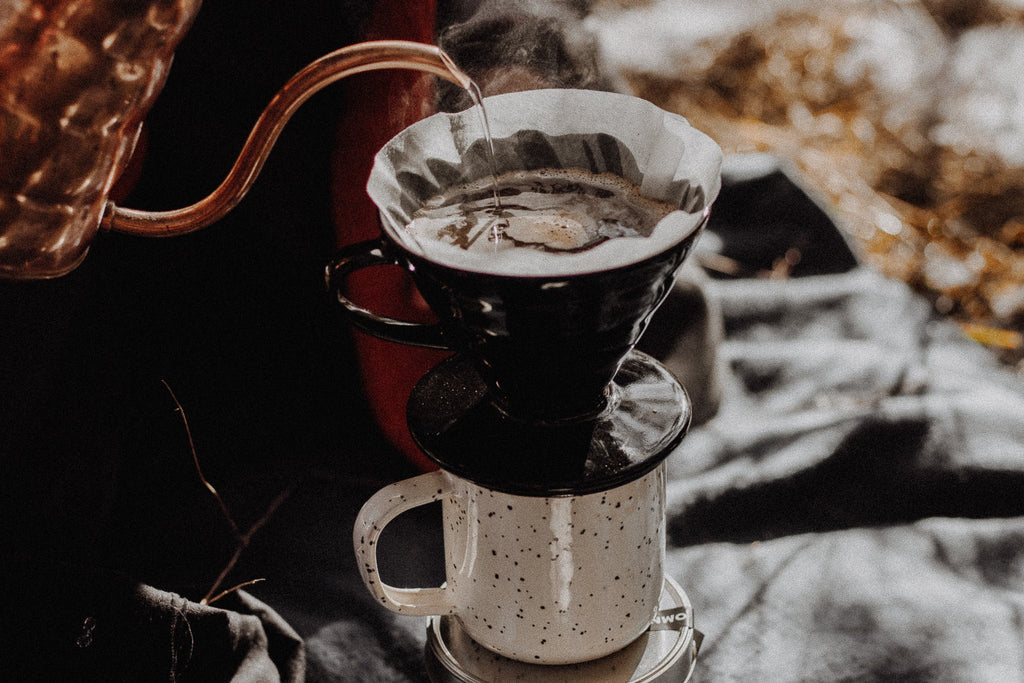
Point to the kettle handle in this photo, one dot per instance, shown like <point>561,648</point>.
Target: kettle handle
<point>365,255</point>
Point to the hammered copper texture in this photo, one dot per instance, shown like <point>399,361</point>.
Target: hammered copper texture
<point>76,79</point>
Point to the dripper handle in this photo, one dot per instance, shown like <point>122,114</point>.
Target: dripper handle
<point>365,255</point>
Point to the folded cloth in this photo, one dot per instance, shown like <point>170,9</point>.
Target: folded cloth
<point>79,624</point>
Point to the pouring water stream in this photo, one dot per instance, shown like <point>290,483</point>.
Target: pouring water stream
<point>495,225</point>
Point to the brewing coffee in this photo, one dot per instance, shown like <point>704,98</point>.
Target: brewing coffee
<point>543,215</point>
<point>545,328</point>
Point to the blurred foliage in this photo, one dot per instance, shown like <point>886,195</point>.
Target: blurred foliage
<point>903,116</point>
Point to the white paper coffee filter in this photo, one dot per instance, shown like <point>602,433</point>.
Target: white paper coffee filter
<point>584,129</point>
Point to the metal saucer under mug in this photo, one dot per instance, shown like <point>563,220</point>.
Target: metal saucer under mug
<point>667,651</point>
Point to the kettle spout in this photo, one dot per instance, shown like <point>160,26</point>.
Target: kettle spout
<point>332,67</point>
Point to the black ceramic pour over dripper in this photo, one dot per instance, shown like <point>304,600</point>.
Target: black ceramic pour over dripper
<point>546,393</point>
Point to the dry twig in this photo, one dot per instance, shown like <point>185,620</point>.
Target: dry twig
<point>244,539</point>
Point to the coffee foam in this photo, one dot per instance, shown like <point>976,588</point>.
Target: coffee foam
<point>602,222</point>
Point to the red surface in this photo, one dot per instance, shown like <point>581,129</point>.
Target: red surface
<point>379,104</point>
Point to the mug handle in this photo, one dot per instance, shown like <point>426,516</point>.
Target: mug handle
<point>365,255</point>
<point>381,508</point>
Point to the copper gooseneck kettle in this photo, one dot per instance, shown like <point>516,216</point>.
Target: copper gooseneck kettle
<point>76,80</point>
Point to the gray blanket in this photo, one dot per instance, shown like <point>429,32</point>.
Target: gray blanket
<point>854,512</point>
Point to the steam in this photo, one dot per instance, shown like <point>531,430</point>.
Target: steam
<point>530,45</point>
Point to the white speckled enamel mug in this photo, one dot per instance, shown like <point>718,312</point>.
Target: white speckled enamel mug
<point>541,579</point>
